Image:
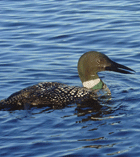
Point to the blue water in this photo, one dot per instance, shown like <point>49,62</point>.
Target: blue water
<point>42,41</point>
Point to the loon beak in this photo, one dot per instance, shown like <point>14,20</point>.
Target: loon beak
<point>119,68</point>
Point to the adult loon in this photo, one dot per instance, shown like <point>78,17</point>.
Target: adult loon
<point>53,93</point>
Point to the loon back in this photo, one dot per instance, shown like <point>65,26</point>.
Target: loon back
<point>48,93</point>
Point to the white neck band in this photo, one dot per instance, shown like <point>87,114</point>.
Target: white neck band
<point>91,83</point>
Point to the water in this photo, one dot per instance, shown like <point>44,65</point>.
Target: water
<point>42,41</point>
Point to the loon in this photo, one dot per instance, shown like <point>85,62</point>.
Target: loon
<point>59,94</point>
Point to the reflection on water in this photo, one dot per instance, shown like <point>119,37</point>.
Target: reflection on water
<point>92,110</point>
<point>87,112</point>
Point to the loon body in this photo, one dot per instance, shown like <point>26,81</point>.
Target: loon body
<point>58,94</point>
<point>48,93</point>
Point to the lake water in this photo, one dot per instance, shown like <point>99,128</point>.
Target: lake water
<point>42,41</point>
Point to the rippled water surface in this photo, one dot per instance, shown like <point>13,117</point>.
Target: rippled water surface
<point>42,41</point>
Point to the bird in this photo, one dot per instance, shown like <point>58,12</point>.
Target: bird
<point>59,94</point>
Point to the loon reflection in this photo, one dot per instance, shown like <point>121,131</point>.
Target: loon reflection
<point>58,94</point>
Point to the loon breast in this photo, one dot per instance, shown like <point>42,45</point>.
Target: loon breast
<point>48,93</point>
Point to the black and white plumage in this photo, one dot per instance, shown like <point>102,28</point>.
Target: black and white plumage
<point>48,93</point>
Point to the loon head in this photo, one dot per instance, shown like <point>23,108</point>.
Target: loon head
<point>93,62</point>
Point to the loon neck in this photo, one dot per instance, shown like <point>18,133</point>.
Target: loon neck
<point>93,84</point>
